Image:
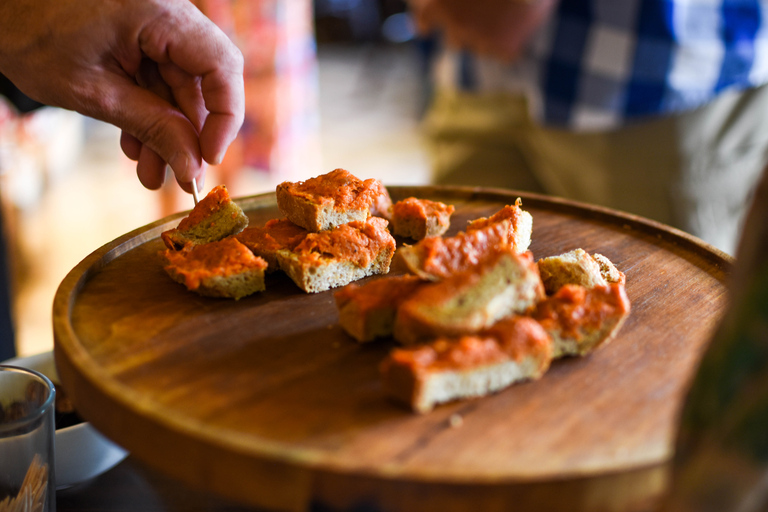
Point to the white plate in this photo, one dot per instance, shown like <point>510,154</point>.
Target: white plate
<point>81,452</point>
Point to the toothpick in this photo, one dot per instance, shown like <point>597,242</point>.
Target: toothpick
<point>194,192</point>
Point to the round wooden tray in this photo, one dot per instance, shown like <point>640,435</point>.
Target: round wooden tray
<point>267,400</point>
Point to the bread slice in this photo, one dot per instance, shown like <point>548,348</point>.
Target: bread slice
<point>436,258</point>
<point>419,218</point>
<point>367,311</point>
<point>329,200</point>
<point>214,218</point>
<point>608,270</point>
<point>339,256</point>
<point>577,267</point>
<point>504,283</point>
<point>520,225</point>
<point>275,235</point>
<point>581,319</point>
<point>470,366</point>
<point>224,268</point>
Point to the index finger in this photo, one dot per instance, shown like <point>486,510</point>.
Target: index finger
<point>198,47</point>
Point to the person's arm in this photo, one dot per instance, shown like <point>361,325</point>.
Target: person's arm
<point>159,70</point>
<point>497,28</point>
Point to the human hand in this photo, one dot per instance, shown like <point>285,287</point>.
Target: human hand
<point>497,28</point>
<point>158,69</point>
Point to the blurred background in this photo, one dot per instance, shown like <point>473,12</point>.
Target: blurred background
<point>329,83</point>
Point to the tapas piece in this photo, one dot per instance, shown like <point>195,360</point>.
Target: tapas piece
<point>520,227</point>
<point>214,218</point>
<point>225,268</point>
<point>338,256</point>
<point>330,200</point>
<point>420,218</point>
<point>578,267</point>
<point>447,369</point>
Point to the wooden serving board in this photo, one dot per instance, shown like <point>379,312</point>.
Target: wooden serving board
<point>267,400</point>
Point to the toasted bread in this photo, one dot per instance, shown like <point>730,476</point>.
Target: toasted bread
<point>419,218</point>
<point>470,366</point>
<point>275,235</point>
<point>505,282</point>
<point>581,319</point>
<point>224,268</point>
<point>577,267</point>
<point>436,258</point>
<point>520,227</point>
<point>329,200</point>
<point>367,311</point>
<point>214,218</point>
<point>339,256</point>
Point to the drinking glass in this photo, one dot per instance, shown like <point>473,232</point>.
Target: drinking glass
<point>27,429</point>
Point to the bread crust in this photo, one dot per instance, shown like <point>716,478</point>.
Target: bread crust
<point>608,270</point>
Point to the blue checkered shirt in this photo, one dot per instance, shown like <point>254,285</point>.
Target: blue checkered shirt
<point>599,63</point>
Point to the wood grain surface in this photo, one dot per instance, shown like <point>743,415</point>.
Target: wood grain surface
<point>267,400</point>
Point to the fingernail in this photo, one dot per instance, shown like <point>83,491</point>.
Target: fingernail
<point>180,164</point>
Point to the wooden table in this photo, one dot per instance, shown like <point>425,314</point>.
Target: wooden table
<point>267,401</point>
